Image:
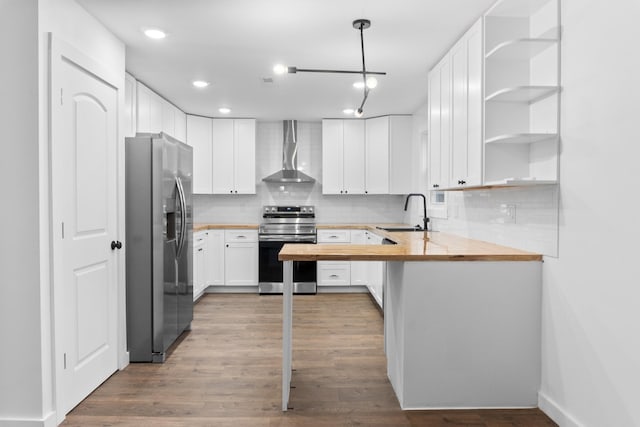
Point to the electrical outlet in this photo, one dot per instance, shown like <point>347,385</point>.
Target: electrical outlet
<point>508,213</point>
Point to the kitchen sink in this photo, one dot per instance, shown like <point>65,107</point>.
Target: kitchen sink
<point>392,229</point>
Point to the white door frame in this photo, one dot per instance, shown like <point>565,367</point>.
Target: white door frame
<point>59,49</point>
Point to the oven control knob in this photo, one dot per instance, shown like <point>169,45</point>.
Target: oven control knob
<point>310,208</point>
<point>304,209</point>
<point>273,209</point>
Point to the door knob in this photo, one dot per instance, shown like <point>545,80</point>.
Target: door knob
<point>116,245</point>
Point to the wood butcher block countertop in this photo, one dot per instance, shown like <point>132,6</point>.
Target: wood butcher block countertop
<point>411,246</point>
<point>203,227</point>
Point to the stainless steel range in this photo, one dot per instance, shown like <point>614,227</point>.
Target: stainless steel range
<point>285,224</point>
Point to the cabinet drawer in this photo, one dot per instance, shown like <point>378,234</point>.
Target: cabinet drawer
<point>334,274</point>
<point>240,236</point>
<point>334,236</point>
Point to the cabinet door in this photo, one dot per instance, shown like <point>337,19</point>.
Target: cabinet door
<point>439,124</point>
<point>199,137</point>
<point>214,270</point>
<point>168,118</point>
<point>241,264</point>
<point>244,156</point>
<point>466,107</point>
<point>474,105</point>
<point>353,156</point>
<point>180,125</point>
<point>359,268</point>
<point>377,156</point>
<point>332,156</point>
<point>375,271</point>
<point>400,156</point>
<point>223,156</point>
<point>149,111</point>
<point>130,103</point>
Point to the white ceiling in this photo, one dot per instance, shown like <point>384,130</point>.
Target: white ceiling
<point>235,43</point>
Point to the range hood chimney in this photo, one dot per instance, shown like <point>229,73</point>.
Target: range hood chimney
<point>289,173</point>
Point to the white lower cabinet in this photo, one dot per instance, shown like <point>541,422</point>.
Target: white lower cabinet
<point>359,268</point>
<point>241,258</point>
<point>199,263</point>
<point>334,273</point>
<point>375,271</point>
<point>215,258</point>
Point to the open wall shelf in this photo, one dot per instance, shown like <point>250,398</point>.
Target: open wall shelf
<point>520,49</point>
<point>522,94</point>
<point>521,138</point>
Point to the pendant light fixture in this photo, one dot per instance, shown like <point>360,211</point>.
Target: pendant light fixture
<point>368,82</point>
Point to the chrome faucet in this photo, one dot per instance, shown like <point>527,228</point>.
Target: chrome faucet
<point>424,207</point>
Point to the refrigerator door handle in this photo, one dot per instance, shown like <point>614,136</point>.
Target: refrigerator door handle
<point>183,218</point>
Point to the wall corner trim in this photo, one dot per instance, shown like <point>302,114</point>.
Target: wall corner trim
<point>555,412</point>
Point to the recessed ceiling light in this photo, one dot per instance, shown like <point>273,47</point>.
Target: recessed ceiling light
<point>155,33</point>
<point>224,110</point>
<point>200,83</point>
<point>348,111</point>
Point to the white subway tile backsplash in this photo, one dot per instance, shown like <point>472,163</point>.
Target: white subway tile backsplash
<point>229,209</point>
<point>482,214</point>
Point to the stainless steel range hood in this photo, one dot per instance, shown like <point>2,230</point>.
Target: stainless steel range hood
<point>289,173</point>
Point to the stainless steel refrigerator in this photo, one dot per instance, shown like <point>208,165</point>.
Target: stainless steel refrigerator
<point>159,244</point>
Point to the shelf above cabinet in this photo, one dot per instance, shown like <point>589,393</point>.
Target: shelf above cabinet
<point>520,49</point>
<point>519,182</point>
<point>516,8</point>
<point>521,138</point>
<point>522,94</point>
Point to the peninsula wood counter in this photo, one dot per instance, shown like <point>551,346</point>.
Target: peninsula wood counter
<point>461,318</point>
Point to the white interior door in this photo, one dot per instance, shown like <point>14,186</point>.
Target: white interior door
<point>84,212</point>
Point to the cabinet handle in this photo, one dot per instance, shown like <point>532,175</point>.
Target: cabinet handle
<point>231,191</point>
<point>436,186</point>
<point>462,182</point>
<point>227,245</point>
<point>345,191</point>
<point>200,250</point>
<point>333,237</point>
<point>241,237</point>
<point>236,191</point>
<point>334,276</point>
<point>366,192</point>
<point>341,192</point>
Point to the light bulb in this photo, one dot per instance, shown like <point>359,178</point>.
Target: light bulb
<point>279,69</point>
<point>372,82</point>
<point>200,83</point>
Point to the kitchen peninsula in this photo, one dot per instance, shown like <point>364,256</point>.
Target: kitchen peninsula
<point>461,318</point>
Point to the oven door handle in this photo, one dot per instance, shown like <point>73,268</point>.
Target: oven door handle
<point>287,239</point>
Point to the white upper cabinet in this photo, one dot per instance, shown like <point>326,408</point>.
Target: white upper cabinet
<point>466,109</point>
<point>377,156</point>
<point>199,131</point>
<point>371,156</point>
<point>234,156</point>
<point>168,118</point>
<point>180,125</point>
<point>244,145</point>
<point>439,123</point>
<point>149,110</point>
<point>400,138</point>
<point>522,92</point>
<point>130,105</point>
<point>343,156</point>
<point>224,160</point>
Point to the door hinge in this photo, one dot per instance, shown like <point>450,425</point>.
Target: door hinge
<point>62,230</point>
<point>64,357</point>
<point>61,96</point>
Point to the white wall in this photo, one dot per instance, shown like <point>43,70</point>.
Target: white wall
<point>20,318</point>
<point>26,370</point>
<point>225,209</point>
<point>591,296</point>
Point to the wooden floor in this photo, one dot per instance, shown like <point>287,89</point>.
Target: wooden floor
<point>226,372</point>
